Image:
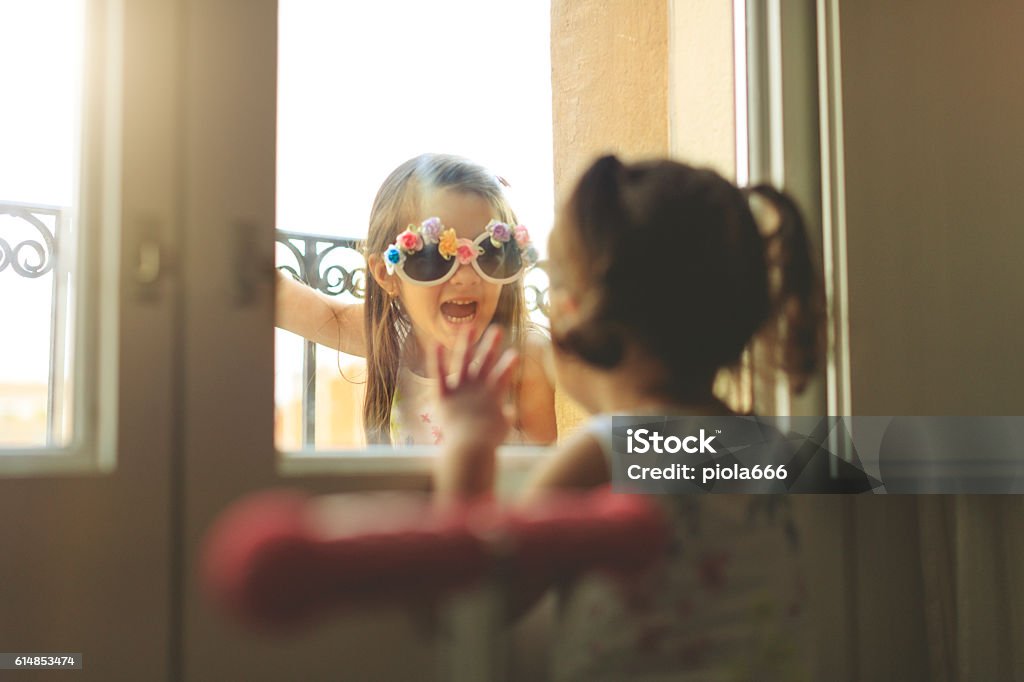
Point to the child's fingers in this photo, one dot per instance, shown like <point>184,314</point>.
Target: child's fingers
<point>437,369</point>
<point>486,353</point>
<point>459,359</point>
<point>501,375</point>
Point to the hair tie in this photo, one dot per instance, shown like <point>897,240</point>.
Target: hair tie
<point>766,214</point>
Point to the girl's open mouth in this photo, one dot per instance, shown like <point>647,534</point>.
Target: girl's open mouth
<point>459,311</point>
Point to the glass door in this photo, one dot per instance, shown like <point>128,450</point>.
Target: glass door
<point>87,222</point>
<point>227,400</point>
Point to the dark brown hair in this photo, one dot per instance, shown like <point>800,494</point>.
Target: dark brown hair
<point>671,256</point>
<point>387,326</point>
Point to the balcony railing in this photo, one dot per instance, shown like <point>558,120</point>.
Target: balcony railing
<point>33,239</point>
<point>336,267</point>
<point>35,242</point>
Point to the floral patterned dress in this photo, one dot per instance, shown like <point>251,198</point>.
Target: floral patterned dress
<point>726,604</point>
<point>414,416</point>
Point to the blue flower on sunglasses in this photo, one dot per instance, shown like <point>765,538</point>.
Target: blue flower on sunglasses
<point>392,257</point>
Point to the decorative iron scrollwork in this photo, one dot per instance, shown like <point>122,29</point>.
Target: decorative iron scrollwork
<point>312,254</point>
<point>536,290</point>
<point>30,258</point>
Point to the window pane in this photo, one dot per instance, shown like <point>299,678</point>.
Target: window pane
<point>364,87</point>
<point>40,67</point>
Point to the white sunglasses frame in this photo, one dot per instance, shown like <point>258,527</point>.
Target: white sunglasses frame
<point>400,269</point>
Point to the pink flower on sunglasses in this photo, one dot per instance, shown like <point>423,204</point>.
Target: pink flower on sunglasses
<point>466,253</point>
<point>410,241</point>
<point>522,236</point>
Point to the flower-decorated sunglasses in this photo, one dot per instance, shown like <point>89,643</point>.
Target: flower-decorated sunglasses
<point>429,253</point>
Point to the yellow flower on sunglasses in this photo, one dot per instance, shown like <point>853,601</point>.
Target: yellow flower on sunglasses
<point>448,245</point>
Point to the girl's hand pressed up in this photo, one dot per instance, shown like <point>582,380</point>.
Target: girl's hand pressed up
<point>472,387</point>
<point>473,390</point>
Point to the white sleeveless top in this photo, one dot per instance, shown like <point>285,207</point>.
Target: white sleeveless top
<point>414,414</point>
<point>726,604</point>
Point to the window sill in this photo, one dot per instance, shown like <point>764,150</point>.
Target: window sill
<point>50,462</point>
<point>514,463</point>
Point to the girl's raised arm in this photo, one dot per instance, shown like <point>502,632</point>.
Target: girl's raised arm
<point>320,318</point>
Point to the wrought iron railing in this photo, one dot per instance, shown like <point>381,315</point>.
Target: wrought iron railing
<point>30,242</point>
<point>336,267</point>
<point>34,245</point>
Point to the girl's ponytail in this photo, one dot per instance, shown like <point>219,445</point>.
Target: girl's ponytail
<point>793,284</point>
<point>598,210</point>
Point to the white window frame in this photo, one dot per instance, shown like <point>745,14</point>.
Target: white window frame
<point>93,268</point>
<point>793,141</point>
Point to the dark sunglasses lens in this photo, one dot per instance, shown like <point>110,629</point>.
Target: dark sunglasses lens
<point>427,265</point>
<point>499,262</point>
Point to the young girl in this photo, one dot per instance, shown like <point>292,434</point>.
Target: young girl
<point>445,254</point>
<point>660,278</point>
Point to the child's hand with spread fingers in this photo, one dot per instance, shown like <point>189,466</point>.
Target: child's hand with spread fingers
<point>473,386</point>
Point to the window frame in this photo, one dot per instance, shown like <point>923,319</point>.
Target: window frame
<point>93,271</point>
<point>307,250</point>
<point>790,143</point>
<point>776,40</point>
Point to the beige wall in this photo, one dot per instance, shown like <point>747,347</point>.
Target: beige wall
<point>610,94</point>
<point>639,79</point>
<point>609,81</point>
<point>702,128</point>
<point>642,78</point>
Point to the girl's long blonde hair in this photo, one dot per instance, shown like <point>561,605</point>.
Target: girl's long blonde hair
<point>387,325</point>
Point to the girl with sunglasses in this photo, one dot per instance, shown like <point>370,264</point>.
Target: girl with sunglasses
<point>660,277</point>
<point>445,255</point>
